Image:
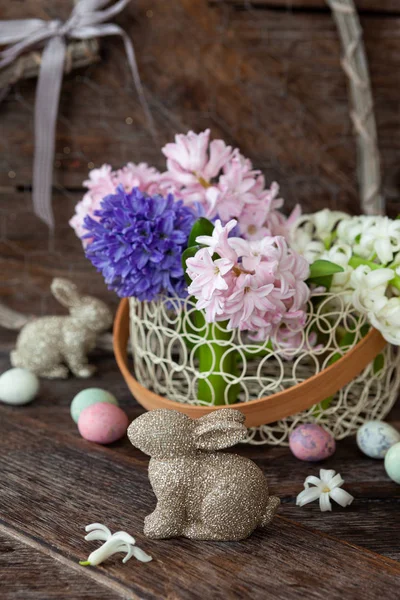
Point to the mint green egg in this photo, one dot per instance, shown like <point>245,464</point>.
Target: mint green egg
<point>89,397</point>
<point>392,462</point>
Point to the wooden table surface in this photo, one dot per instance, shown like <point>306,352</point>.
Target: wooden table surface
<point>266,77</point>
<point>53,483</point>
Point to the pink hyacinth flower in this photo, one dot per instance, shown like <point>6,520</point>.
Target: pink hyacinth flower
<point>218,241</point>
<point>207,275</point>
<point>235,188</point>
<point>141,176</point>
<point>103,182</point>
<point>192,160</point>
<point>245,300</point>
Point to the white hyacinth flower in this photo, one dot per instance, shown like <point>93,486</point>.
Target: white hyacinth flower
<point>113,543</point>
<point>327,486</point>
<point>325,221</point>
<point>311,232</point>
<point>370,288</point>
<point>350,230</point>
<point>386,319</point>
<point>371,236</point>
<point>382,239</point>
<point>340,254</point>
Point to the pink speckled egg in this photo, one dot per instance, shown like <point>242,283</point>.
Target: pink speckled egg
<point>102,423</point>
<point>311,442</point>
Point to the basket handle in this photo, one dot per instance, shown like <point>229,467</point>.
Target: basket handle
<point>355,65</point>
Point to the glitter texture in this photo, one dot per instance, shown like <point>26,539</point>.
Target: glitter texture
<point>48,346</point>
<point>201,494</point>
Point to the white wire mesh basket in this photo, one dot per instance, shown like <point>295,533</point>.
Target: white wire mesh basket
<point>166,344</point>
<point>165,347</point>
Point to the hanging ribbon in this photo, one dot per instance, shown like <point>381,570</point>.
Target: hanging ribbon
<point>86,21</point>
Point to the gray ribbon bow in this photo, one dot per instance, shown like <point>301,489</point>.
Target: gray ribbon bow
<point>86,21</point>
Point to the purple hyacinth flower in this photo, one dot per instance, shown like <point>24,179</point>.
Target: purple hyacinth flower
<point>138,242</point>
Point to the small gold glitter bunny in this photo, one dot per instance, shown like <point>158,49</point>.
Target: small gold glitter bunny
<point>201,494</point>
<point>47,346</point>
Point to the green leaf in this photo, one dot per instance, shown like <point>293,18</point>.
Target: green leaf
<point>323,268</point>
<point>188,253</point>
<point>326,282</point>
<point>322,271</point>
<point>346,340</point>
<point>201,227</point>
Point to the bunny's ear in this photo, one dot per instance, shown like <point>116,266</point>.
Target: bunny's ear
<point>65,291</point>
<point>220,429</point>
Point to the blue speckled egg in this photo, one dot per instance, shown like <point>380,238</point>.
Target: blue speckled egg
<point>374,438</point>
<point>392,462</point>
<point>311,442</point>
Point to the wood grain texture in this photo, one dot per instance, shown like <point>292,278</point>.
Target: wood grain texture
<point>43,573</point>
<point>266,80</point>
<point>363,6</point>
<point>270,82</point>
<point>54,483</point>
<point>30,256</point>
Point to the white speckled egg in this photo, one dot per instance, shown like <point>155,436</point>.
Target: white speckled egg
<point>18,386</point>
<point>374,438</point>
<point>392,463</point>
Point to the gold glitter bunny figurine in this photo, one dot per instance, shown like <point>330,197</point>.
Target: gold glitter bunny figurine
<point>48,346</point>
<point>201,494</point>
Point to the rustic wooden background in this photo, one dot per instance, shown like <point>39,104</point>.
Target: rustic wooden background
<point>265,76</point>
<point>53,483</point>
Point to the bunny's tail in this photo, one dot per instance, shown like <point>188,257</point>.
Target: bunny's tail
<point>273,503</point>
<point>11,319</point>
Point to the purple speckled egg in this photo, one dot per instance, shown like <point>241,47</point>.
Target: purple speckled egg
<point>102,423</point>
<point>311,442</point>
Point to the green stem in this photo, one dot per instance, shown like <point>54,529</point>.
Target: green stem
<point>346,339</point>
<point>212,389</point>
<point>355,261</point>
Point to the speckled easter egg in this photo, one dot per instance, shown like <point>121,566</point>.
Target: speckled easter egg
<point>311,442</point>
<point>18,386</point>
<point>374,438</point>
<point>392,462</point>
<point>102,423</point>
<point>89,397</point>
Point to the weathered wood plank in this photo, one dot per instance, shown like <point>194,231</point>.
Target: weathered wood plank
<point>30,255</point>
<point>363,6</point>
<point>88,483</point>
<point>31,570</point>
<point>377,498</point>
<point>267,81</point>
<point>52,9</point>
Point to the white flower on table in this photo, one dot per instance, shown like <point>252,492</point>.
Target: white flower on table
<point>113,543</point>
<point>327,486</point>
